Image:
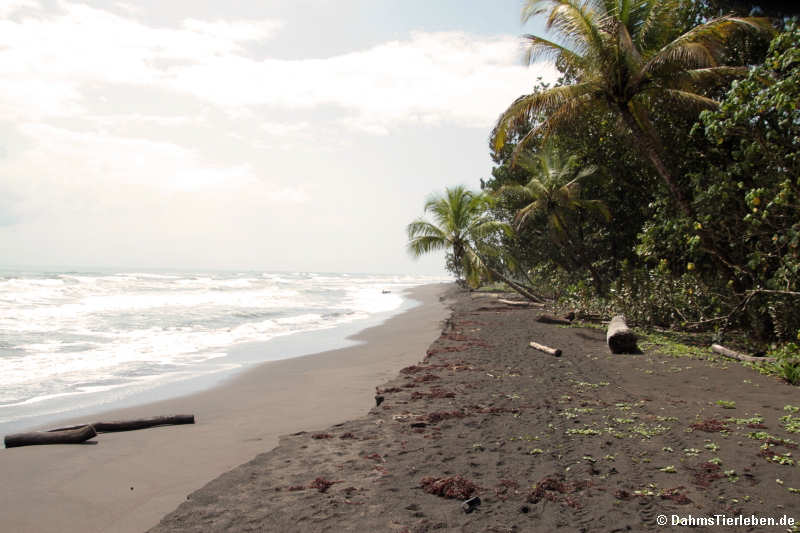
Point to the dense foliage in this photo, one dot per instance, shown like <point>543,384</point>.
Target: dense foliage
<point>624,197</point>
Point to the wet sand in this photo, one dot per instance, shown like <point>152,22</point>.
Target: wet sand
<point>126,482</point>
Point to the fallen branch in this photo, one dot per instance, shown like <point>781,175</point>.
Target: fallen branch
<point>66,436</point>
<point>546,349</point>
<point>727,352</point>
<point>550,319</point>
<point>130,425</point>
<point>620,338</point>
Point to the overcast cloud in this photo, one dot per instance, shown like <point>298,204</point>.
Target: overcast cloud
<point>185,136</point>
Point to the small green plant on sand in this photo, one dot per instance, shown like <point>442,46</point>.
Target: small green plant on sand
<point>584,431</point>
<point>757,419</point>
<point>725,404</point>
<point>763,435</point>
<point>648,432</point>
<point>668,469</point>
<point>787,363</point>
<point>790,423</point>
<point>782,459</point>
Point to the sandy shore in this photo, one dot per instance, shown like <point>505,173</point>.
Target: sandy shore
<point>588,441</point>
<point>126,482</point>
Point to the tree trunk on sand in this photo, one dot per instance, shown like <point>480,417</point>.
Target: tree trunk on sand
<point>727,352</point>
<point>141,423</point>
<point>516,286</point>
<point>550,319</point>
<point>619,337</point>
<point>523,291</point>
<point>67,436</point>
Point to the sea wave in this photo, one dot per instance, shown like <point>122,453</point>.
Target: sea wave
<point>85,333</point>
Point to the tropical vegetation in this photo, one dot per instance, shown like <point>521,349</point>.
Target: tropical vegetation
<point>659,176</point>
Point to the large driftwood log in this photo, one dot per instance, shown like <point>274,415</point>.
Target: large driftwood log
<point>550,319</point>
<point>619,337</point>
<point>141,423</point>
<point>546,349</point>
<point>67,436</point>
<point>727,352</point>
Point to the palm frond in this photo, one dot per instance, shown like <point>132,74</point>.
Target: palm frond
<point>423,228</point>
<point>658,19</point>
<point>597,207</point>
<point>703,45</point>
<point>574,21</point>
<point>586,171</point>
<point>487,227</point>
<point>420,246</point>
<point>541,48</point>
<point>567,112</point>
<point>689,99</point>
<point>523,214</point>
<point>703,78</point>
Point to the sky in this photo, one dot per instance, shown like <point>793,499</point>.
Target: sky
<point>298,135</point>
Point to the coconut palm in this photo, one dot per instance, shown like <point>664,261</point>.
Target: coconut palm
<point>624,55</point>
<point>554,191</point>
<point>460,221</point>
<point>463,227</point>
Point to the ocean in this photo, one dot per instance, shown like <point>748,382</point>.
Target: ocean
<point>77,342</point>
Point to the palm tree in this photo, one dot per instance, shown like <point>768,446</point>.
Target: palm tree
<point>462,226</point>
<point>554,191</point>
<point>624,56</point>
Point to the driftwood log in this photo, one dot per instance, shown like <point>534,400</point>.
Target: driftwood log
<point>727,352</point>
<point>519,303</point>
<point>141,423</point>
<point>550,319</point>
<point>65,436</point>
<point>546,349</point>
<point>619,337</point>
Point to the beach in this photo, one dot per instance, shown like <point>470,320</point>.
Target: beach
<point>588,441</point>
<point>126,482</point>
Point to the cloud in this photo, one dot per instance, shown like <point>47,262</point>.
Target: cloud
<point>429,78</point>
<point>51,56</point>
<point>131,138</point>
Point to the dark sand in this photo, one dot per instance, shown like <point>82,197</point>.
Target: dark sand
<point>128,481</point>
<point>586,442</point>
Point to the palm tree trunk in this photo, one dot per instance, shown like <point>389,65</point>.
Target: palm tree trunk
<point>519,288</point>
<point>516,286</point>
<point>646,144</point>
<point>580,258</point>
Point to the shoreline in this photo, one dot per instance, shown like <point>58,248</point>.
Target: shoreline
<point>240,358</point>
<point>589,441</point>
<point>128,481</point>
